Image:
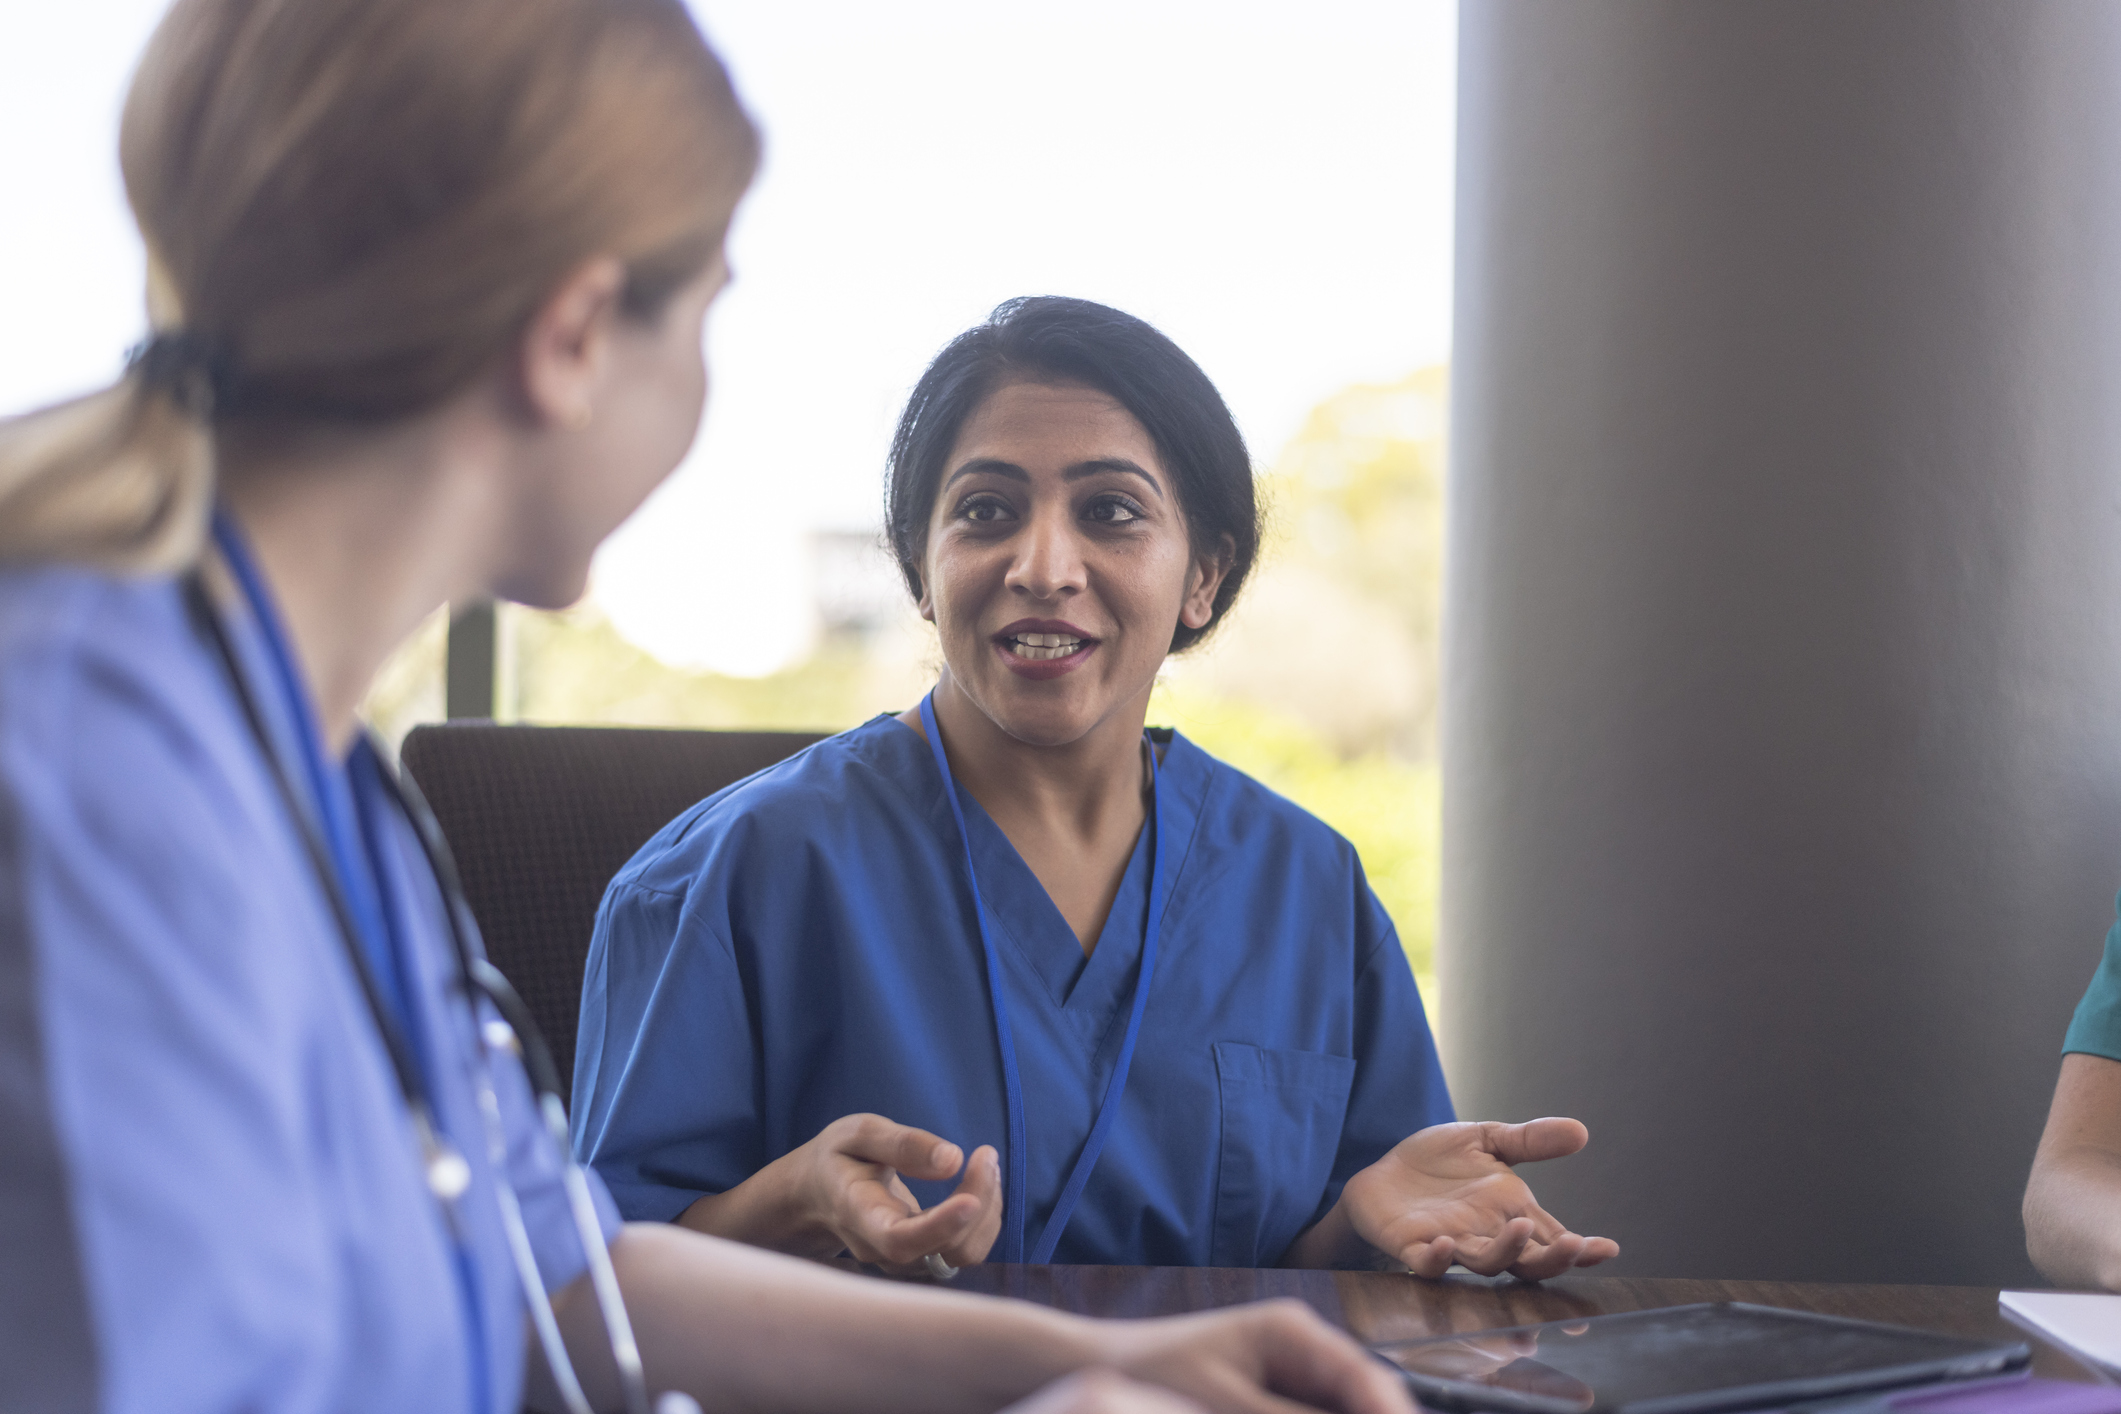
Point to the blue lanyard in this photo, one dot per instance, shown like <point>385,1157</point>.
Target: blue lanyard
<point>349,831</point>
<point>348,805</point>
<point>1012,1082</point>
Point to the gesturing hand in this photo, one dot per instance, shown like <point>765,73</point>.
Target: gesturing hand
<point>843,1191</point>
<point>850,1186</point>
<point>1448,1194</point>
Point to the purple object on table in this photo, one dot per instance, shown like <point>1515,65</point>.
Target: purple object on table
<point>2011,1397</point>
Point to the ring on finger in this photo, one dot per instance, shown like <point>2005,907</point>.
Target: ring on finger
<point>938,1268</point>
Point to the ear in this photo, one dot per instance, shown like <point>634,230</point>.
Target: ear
<point>1203,581</point>
<point>565,349</point>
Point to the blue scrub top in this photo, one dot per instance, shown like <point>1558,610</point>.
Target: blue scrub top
<point>802,946</point>
<point>210,1193</point>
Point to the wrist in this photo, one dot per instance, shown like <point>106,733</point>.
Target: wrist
<point>1078,1342</point>
<point>797,1207</point>
<point>1024,1348</point>
<point>1333,1241</point>
<point>774,1208</point>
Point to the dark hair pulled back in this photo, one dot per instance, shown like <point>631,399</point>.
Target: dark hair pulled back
<point>1049,339</point>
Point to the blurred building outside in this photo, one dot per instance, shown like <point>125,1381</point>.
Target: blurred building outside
<point>1322,683</point>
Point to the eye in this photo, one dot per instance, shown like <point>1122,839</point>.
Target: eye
<point>983,507</point>
<point>1113,509</point>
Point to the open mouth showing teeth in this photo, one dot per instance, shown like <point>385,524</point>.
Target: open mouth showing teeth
<point>1039,647</point>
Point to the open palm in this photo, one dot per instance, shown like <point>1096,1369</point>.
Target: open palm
<point>1449,1194</point>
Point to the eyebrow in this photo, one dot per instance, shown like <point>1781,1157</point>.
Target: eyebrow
<point>995,466</point>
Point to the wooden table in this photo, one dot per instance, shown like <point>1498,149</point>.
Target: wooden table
<point>1378,1306</point>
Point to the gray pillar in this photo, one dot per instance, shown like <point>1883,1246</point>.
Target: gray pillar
<point>1783,654</point>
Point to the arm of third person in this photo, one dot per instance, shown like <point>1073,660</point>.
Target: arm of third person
<point>2073,1200</point>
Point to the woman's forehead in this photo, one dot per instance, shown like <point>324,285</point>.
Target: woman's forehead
<point>1047,426</point>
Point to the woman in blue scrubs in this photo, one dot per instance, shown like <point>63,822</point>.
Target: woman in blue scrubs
<point>429,282</point>
<point>1159,998</point>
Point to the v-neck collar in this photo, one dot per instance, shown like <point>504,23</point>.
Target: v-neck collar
<point>1033,924</point>
<point>1090,987</point>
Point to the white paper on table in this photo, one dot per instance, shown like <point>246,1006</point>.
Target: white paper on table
<point>2087,1324</point>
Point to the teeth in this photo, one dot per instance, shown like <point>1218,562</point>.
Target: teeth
<point>1041,647</point>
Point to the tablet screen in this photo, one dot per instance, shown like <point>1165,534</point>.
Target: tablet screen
<point>1686,1358</point>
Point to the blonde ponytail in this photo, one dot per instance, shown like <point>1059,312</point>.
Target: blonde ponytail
<point>121,480</point>
<point>351,207</point>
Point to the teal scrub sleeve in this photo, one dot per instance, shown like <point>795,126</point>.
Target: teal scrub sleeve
<point>2096,1029</point>
<point>666,1087</point>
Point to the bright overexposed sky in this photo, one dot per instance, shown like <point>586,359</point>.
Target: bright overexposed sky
<point>1268,183</point>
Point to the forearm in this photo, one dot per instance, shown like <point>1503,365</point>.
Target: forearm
<point>2073,1200</point>
<point>747,1330</point>
<point>2073,1216</point>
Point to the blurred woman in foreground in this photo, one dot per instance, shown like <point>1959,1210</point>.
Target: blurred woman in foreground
<point>428,281</point>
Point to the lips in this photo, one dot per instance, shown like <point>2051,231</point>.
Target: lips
<point>1042,648</point>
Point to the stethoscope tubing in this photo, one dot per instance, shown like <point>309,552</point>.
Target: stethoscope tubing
<point>477,977</point>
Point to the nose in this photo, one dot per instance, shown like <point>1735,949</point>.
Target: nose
<point>1049,562</point>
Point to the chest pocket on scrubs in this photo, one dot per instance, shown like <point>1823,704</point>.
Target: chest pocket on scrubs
<point>1282,1113</point>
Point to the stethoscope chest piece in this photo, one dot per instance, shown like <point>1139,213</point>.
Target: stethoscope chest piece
<point>448,1174</point>
<point>448,1171</point>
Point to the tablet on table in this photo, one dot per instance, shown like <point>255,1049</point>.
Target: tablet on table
<point>1686,1360</point>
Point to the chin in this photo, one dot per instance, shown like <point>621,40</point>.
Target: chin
<point>545,587</point>
<point>1039,719</point>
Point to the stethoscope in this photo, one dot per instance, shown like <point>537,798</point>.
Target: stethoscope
<point>1012,1083</point>
<point>512,1031</point>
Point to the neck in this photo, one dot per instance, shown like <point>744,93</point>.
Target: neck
<point>358,538</point>
<point>1081,788</point>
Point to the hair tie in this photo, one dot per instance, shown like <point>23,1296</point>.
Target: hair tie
<point>195,371</point>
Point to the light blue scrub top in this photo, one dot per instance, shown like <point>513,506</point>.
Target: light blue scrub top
<point>802,946</point>
<point>210,1194</point>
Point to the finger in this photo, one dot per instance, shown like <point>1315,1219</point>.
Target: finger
<point>870,1206</point>
<point>1596,1250</point>
<point>1534,1140</point>
<point>1545,1226</point>
<point>1429,1259</point>
<point>1490,1255</point>
<point>908,1239</point>
<point>1541,1260</point>
<point>899,1252</point>
<point>914,1152</point>
<point>983,1184</point>
<point>1308,1360</point>
<point>1103,1392</point>
<point>896,1187</point>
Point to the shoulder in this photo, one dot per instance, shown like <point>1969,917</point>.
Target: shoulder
<point>124,763</point>
<point>58,619</point>
<point>1253,854</point>
<point>1246,818</point>
<point>96,670</point>
<point>842,794</point>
